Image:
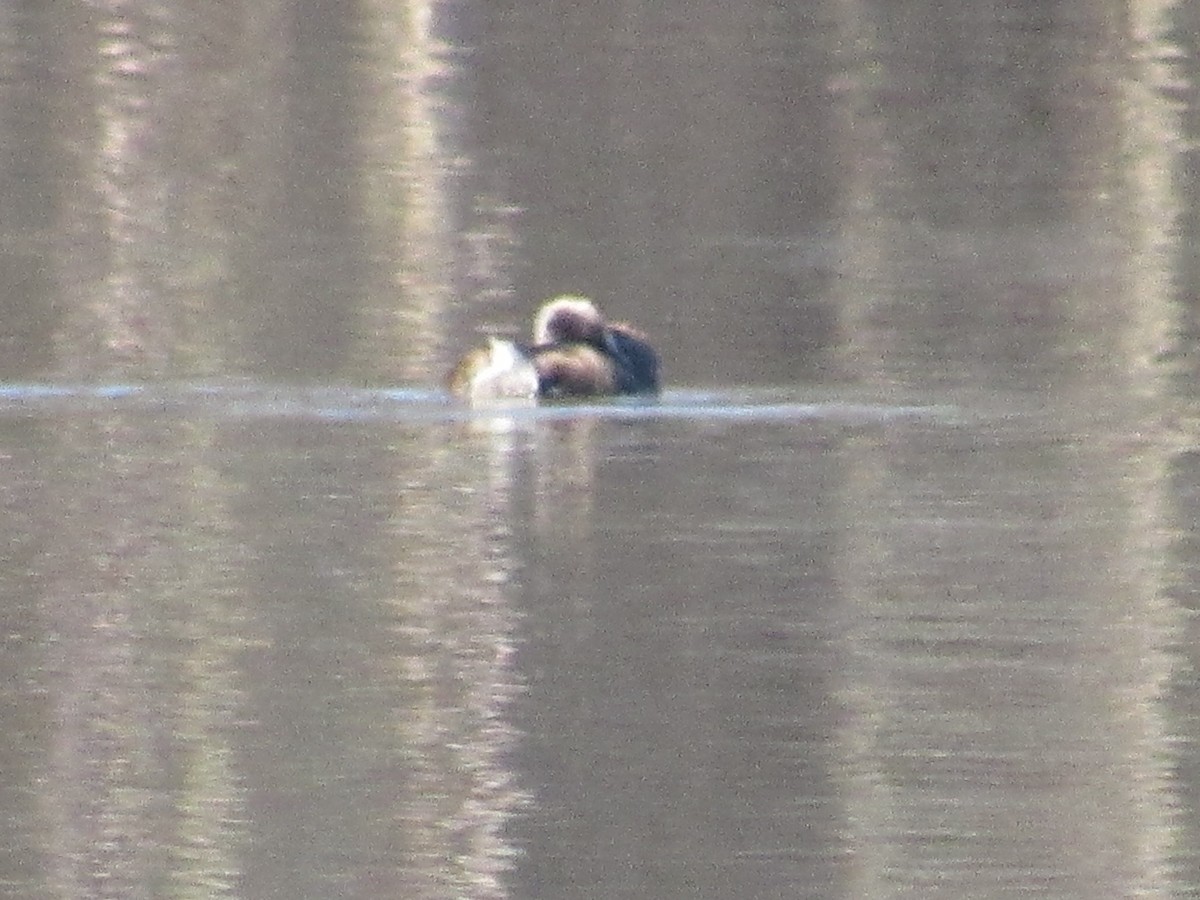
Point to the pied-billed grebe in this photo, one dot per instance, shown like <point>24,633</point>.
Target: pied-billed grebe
<point>574,353</point>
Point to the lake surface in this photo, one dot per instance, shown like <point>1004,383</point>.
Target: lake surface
<point>891,593</point>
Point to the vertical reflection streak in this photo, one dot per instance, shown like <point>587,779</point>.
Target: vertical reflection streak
<point>454,570</point>
<point>414,187</point>
<point>1154,146</point>
<point>133,48</point>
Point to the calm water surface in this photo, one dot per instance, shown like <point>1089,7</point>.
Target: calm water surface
<point>891,593</point>
<point>848,650</point>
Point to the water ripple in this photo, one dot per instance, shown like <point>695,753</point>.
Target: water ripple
<point>423,405</point>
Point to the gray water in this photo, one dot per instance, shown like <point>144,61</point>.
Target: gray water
<point>891,593</point>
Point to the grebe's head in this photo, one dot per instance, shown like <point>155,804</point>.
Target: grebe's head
<point>568,319</point>
<point>499,371</point>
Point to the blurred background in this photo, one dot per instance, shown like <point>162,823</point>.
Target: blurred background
<point>891,594</point>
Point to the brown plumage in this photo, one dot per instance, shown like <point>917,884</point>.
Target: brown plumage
<point>574,353</point>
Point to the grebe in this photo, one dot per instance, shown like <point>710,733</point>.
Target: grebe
<point>575,353</point>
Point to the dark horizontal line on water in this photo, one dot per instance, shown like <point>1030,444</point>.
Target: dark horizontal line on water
<point>425,405</point>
